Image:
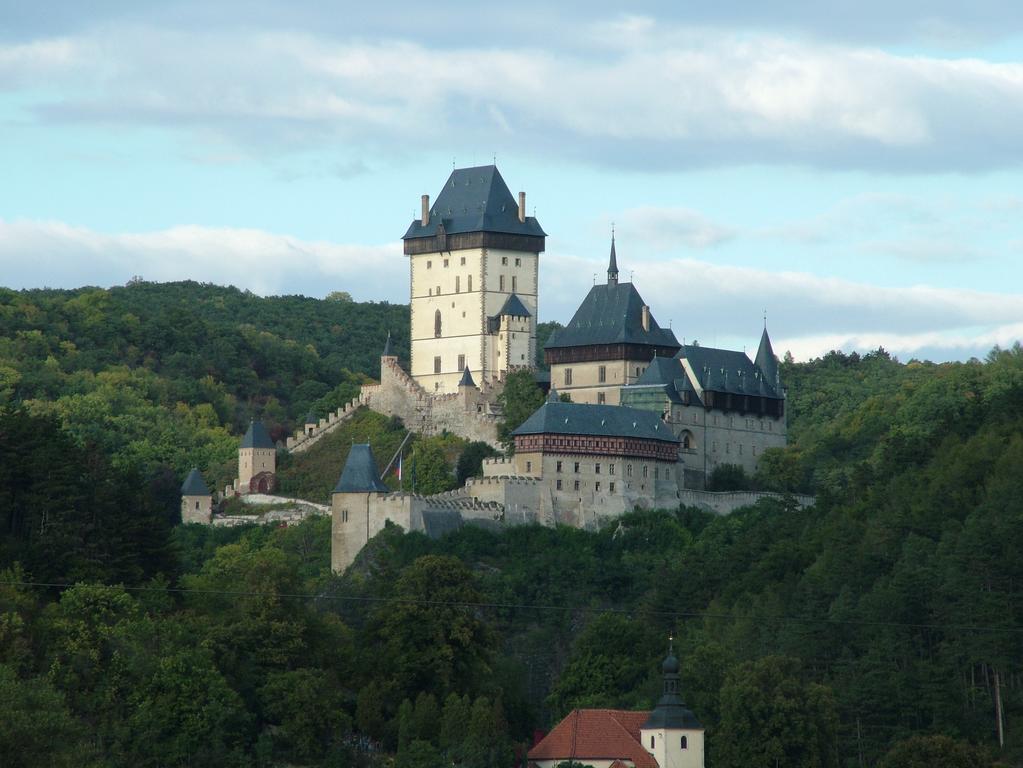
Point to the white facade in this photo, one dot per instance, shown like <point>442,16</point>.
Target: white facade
<point>674,747</point>
<point>454,295</point>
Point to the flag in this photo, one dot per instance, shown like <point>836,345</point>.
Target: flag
<point>399,468</point>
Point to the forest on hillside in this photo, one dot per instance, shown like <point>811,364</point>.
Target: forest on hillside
<point>880,628</point>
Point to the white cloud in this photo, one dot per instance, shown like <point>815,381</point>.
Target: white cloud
<point>56,255</point>
<point>809,315</point>
<point>664,96</point>
<point>666,228</point>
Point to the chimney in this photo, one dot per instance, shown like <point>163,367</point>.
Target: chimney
<point>646,318</point>
<point>522,207</point>
<point>426,210</point>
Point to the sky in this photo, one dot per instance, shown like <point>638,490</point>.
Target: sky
<point>852,170</point>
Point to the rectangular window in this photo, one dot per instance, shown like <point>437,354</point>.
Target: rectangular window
<point>458,284</point>
<point>628,470</point>
<point>601,398</point>
<point>429,265</point>
<point>657,473</point>
<point>518,262</point>
<point>461,362</point>
<point>463,261</point>
<point>575,485</point>
<point>577,467</point>
<point>596,469</point>
<point>610,469</point>
<point>602,374</point>
<point>445,262</point>
<point>568,377</point>
<point>557,467</point>
<point>504,260</point>
<point>515,283</point>
<point>438,290</point>
<point>436,365</point>
<point>559,484</point>
<point>500,282</point>
<point>529,466</point>
<point>611,487</point>
<point>468,281</point>
<point>646,473</point>
<point>344,515</point>
<point>596,486</point>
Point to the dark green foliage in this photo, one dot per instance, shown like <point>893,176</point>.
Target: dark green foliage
<point>729,477</point>
<point>543,332</point>
<point>470,461</point>
<point>934,752</point>
<point>520,397</point>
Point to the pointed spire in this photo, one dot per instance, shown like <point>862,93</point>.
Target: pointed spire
<point>612,267</point>
<point>387,347</point>
<point>766,361</point>
<point>466,379</point>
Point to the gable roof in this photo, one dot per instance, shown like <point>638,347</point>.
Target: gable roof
<point>611,314</point>
<point>360,473</point>
<point>556,417</point>
<point>194,485</point>
<point>596,734</point>
<point>475,200</point>
<point>725,370</point>
<point>257,436</point>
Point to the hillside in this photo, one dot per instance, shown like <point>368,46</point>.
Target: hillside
<point>891,610</point>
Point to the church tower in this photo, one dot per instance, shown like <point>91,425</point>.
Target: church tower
<point>474,262</point>
<point>672,734</point>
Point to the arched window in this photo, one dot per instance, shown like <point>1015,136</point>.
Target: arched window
<point>436,324</point>
<point>685,743</point>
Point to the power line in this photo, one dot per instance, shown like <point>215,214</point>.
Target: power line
<point>533,607</point>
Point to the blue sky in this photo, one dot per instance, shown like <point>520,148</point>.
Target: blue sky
<point>854,170</point>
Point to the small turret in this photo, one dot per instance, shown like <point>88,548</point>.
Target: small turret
<point>257,461</point>
<point>196,499</point>
<point>466,380</point>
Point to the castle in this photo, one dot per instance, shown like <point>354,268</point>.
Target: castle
<point>647,422</point>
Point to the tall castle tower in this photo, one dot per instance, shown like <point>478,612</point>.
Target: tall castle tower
<point>473,260</point>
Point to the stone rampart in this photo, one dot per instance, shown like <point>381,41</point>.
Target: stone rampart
<point>726,502</point>
<point>303,440</point>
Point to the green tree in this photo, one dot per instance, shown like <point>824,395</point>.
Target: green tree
<point>470,461</point>
<point>520,397</point>
<point>769,717</point>
<point>455,716</point>
<point>37,727</point>
<point>934,752</point>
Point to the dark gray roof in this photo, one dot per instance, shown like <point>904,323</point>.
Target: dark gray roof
<point>667,374</point>
<point>724,370</point>
<point>257,436</point>
<point>310,418</point>
<point>194,485</point>
<point>611,314</point>
<point>514,307</point>
<point>542,377</point>
<point>556,417</point>
<point>475,200</point>
<point>387,347</point>
<point>360,474</point>
<point>466,380</point>
<point>766,360</point>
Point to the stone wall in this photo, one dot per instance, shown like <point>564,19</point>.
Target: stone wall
<point>726,502</point>
<point>305,439</point>
<point>470,413</point>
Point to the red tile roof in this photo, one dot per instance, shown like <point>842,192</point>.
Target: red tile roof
<point>596,734</point>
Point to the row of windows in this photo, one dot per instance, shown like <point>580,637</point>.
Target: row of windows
<point>437,366</point>
<point>601,373</point>
<point>576,485</point>
<point>728,448</point>
<point>468,285</point>
<point>504,262</point>
<point>576,465</point>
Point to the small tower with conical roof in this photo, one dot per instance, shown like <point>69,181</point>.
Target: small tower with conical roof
<point>257,460</point>
<point>672,734</point>
<point>767,362</point>
<point>196,499</point>
<point>354,518</point>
